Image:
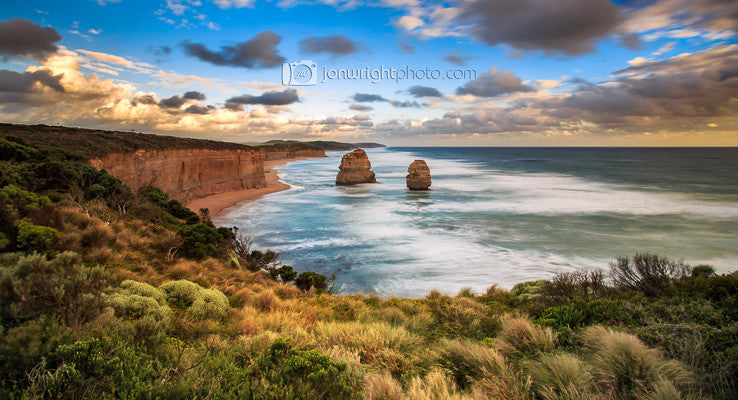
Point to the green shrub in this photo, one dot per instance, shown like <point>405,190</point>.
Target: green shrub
<point>34,237</point>
<point>36,286</point>
<point>286,373</point>
<point>202,240</point>
<point>309,279</point>
<point>98,368</point>
<point>178,210</point>
<point>23,347</point>
<point>196,300</point>
<point>145,307</point>
<point>285,273</point>
<point>703,271</point>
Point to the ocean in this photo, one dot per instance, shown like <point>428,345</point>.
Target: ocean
<point>497,215</point>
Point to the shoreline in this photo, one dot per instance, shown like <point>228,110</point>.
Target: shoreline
<point>217,203</point>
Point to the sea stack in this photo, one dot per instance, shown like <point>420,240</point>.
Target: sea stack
<point>418,176</point>
<point>355,168</point>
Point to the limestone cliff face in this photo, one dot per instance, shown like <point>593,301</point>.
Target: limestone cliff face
<point>288,154</point>
<point>418,176</point>
<point>187,174</point>
<point>355,168</point>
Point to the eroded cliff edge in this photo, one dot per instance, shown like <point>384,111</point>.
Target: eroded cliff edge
<point>187,174</point>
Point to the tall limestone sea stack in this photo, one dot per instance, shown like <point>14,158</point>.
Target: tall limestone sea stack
<point>355,168</point>
<point>418,177</point>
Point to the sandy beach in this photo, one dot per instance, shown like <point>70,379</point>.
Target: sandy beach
<point>217,203</point>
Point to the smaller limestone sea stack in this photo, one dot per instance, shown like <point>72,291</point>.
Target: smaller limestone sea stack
<point>418,177</point>
<point>355,168</point>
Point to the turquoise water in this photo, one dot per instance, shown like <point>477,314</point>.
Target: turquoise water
<point>498,215</point>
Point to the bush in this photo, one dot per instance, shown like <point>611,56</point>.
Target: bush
<point>145,307</point>
<point>567,286</point>
<point>703,271</point>
<point>196,300</point>
<point>286,373</point>
<point>646,273</point>
<point>61,286</point>
<point>309,279</point>
<point>34,237</point>
<point>285,273</point>
<point>202,240</point>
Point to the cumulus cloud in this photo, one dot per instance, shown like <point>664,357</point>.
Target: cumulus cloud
<point>336,45</point>
<point>367,98</point>
<point>23,38</point>
<point>424,91</point>
<point>25,82</point>
<point>196,109</point>
<point>172,102</point>
<point>257,52</point>
<point>493,84</point>
<point>194,95</point>
<point>360,107</point>
<point>144,99</point>
<point>557,26</point>
<point>273,98</point>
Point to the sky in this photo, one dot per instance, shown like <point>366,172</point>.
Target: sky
<point>398,72</point>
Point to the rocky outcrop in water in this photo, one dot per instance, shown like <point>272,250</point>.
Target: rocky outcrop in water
<point>355,168</point>
<point>418,176</point>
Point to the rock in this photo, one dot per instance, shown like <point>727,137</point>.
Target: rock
<point>418,177</point>
<point>355,168</point>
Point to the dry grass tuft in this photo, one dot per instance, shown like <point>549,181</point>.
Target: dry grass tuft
<point>382,387</point>
<point>522,338</point>
<point>97,235</point>
<point>288,291</point>
<point>561,376</point>
<point>466,292</point>
<point>435,386</point>
<point>626,368</point>
<point>266,301</point>
<point>249,321</point>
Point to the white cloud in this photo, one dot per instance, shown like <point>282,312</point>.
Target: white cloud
<point>234,3</point>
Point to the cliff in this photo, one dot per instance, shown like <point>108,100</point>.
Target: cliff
<point>187,174</point>
<point>271,154</point>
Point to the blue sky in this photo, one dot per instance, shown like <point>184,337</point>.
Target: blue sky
<point>537,72</point>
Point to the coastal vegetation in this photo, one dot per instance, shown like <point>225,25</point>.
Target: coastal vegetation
<point>107,293</point>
